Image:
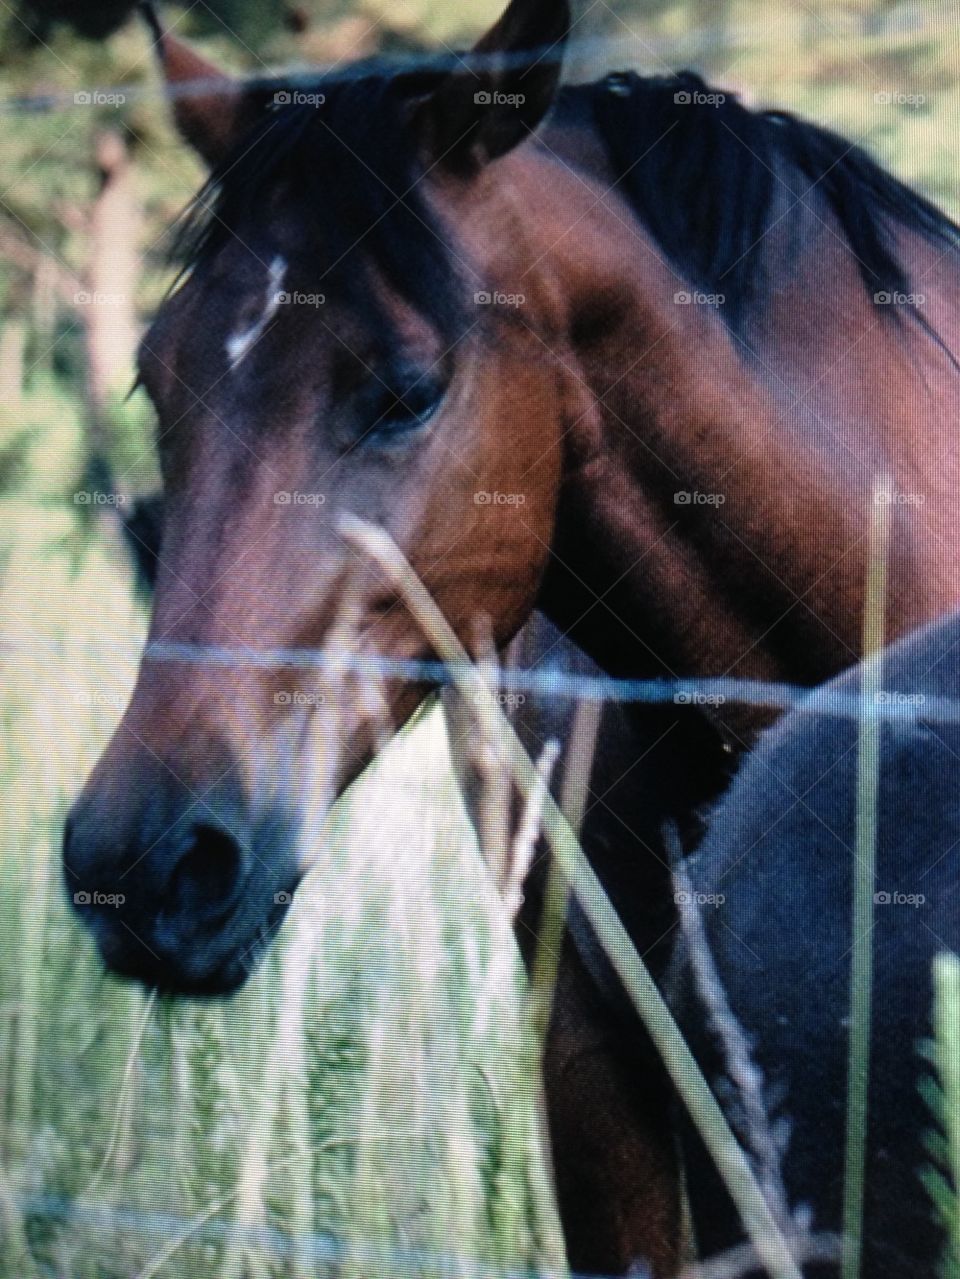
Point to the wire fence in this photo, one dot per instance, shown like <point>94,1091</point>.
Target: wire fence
<point>659,53</point>
<point>411,65</point>
<point>697,43</point>
<point>899,705</point>
<point>324,1250</point>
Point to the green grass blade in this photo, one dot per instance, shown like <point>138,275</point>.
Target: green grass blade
<point>861,964</point>
<point>762,1228</point>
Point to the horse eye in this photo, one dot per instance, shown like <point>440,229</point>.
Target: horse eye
<point>392,414</point>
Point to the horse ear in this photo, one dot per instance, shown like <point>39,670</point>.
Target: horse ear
<point>507,86</point>
<point>209,108</point>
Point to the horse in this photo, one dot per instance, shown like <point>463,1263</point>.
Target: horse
<point>627,353</point>
<point>777,870</point>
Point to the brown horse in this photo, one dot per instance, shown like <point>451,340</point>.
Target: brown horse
<point>637,368</point>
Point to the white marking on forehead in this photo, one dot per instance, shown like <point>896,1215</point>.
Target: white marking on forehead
<point>240,342</point>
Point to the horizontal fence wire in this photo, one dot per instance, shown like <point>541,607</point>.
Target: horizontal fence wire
<point>899,705</point>
<point>320,1248</point>
<point>695,43</point>
<point>699,43</point>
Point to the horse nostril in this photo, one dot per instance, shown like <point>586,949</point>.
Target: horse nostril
<point>206,879</point>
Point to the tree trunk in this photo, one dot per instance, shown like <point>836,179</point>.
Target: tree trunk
<point>111,329</point>
<point>111,322</point>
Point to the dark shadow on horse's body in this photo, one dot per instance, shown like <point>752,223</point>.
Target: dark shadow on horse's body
<point>780,855</point>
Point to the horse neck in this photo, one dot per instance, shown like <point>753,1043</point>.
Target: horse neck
<point>717,493</point>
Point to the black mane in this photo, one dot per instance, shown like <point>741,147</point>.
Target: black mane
<point>704,178</point>
<point>707,179</point>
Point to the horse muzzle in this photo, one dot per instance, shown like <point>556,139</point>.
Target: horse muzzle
<point>182,893</point>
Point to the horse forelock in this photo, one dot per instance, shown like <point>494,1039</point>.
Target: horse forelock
<point>344,172</point>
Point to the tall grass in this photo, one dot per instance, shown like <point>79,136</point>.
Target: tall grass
<point>357,1109</point>
<point>941,1089</point>
<point>863,870</point>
